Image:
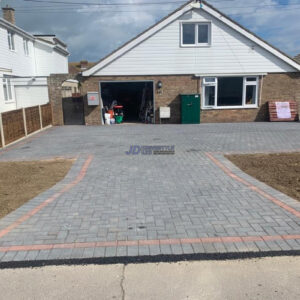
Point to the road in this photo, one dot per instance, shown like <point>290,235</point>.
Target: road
<point>266,278</point>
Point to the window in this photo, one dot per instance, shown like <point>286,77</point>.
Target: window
<point>7,89</point>
<point>11,40</point>
<point>250,84</point>
<point>188,34</point>
<point>203,33</point>
<point>230,91</point>
<point>227,92</point>
<point>195,34</point>
<point>26,48</point>
<point>210,91</point>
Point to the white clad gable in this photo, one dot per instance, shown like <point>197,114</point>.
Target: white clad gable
<point>161,53</point>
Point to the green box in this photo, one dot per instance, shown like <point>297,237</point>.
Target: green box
<point>119,119</point>
<point>190,109</point>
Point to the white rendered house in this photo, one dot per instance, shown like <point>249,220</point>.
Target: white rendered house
<point>25,62</point>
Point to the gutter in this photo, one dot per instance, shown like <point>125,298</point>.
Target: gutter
<point>229,74</point>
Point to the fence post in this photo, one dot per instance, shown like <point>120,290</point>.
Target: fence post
<point>2,132</point>
<point>24,121</point>
<point>41,117</point>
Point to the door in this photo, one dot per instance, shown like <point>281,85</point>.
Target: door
<point>190,109</point>
<point>73,111</point>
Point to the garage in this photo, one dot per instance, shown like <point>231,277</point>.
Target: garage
<point>135,97</point>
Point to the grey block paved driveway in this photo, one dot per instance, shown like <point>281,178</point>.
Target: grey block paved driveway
<point>113,204</point>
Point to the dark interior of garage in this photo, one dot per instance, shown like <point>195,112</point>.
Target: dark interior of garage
<point>136,97</point>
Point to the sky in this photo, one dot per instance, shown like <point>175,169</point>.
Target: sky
<point>93,31</point>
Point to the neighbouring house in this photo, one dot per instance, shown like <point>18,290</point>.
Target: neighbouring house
<point>194,50</point>
<point>78,67</point>
<point>26,61</point>
<point>71,87</point>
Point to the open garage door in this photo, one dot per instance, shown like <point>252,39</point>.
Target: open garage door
<point>136,97</point>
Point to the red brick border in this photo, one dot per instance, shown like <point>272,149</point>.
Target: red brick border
<point>25,217</point>
<point>252,187</point>
<point>205,240</point>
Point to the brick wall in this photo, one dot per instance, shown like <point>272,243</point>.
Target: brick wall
<point>55,96</point>
<point>274,87</point>
<point>91,113</point>
<point>173,86</point>
<point>283,86</point>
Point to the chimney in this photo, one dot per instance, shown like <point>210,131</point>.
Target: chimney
<point>9,14</point>
<point>83,64</point>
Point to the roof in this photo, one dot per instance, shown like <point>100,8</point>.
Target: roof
<point>48,39</point>
<point>51,39</point>
<point>297,58</point>
<point>53,42</point>
<point>176,14</point>
<point>15,28</point>
<point>74,67</point>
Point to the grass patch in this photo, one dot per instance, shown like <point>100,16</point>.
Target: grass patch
<point>280,170</point>
<point>22,181</point>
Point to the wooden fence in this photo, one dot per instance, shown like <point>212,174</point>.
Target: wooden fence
<point>17,124</point>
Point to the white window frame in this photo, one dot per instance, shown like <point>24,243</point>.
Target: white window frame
<point>11,40</point>
<point>245,84</point>
<point>209,84</point>
<point>9,97</point>
<point>250,83</point>
<point>197,44</point>
<point>26,47</point>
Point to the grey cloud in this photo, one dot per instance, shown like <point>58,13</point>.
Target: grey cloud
<point>93,35</point>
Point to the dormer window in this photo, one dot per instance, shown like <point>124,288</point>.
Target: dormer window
<point>195,34</point>
<point>11,41</point>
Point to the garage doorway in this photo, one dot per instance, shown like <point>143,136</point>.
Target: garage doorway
<point>73,110</point>
<point>136,97</point>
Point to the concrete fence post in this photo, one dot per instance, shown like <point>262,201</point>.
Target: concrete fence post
<point>41,117</point>
<point>24,121</point>
<point>2,132</point>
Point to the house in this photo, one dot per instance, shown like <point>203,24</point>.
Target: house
<point>78,67</point>
<point>196,50</point>
<point>26,61</point>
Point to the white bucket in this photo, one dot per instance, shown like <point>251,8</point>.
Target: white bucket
<point>107,119</point>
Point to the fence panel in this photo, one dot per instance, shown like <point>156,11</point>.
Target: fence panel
<point>33,121</point>
<point>46,114</point>
<point>13,125</point>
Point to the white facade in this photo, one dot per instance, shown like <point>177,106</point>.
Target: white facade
<point>159,50</point>
<point>26,66</point>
